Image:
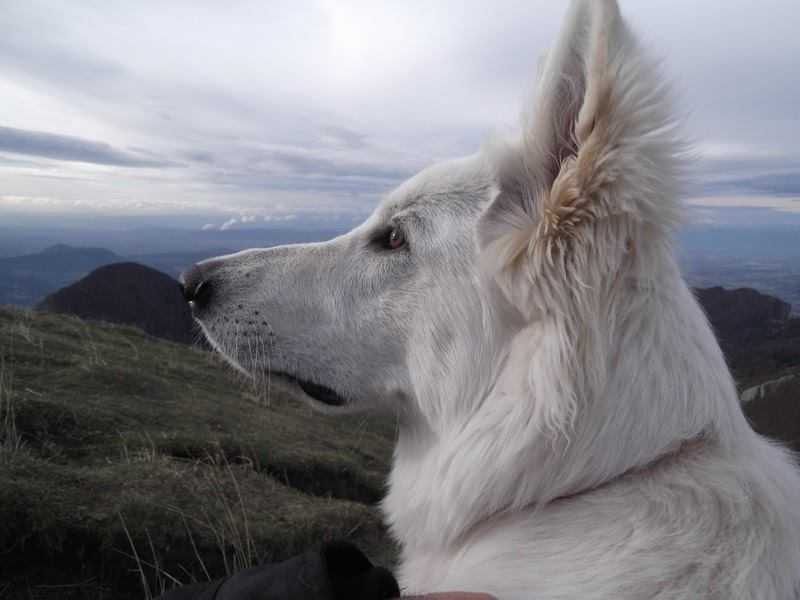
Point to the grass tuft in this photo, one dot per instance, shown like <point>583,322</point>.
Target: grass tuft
<point>11,441</point>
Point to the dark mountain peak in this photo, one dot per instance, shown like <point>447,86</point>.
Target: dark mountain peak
<point>756,332</point>
<point>732,311</point>
<point>127,293</point>
<point>126,271</point>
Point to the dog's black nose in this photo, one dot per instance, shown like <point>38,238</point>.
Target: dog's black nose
<point>195,287</point>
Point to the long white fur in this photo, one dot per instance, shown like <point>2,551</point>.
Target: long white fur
<point>611,459</point>
<point>568,426</point>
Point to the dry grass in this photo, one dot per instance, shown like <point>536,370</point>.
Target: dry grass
<point>229,526</point>
<point>161,580</point>
<point>221,512</point>
<point>11,442</point>
<point>146,450</point>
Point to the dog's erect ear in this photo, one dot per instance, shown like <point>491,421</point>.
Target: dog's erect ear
<point>595,169</point>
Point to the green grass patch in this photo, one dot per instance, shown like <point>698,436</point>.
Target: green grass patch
<point>123,455</point>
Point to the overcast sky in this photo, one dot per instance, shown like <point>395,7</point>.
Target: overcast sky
<point>270,111</point>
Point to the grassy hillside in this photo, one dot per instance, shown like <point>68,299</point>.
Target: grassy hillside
<point>124,458</point>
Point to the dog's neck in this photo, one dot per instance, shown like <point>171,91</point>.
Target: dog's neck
<point>683,450</point>
<point>670,381</point>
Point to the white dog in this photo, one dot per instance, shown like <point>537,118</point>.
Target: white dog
<point>568,426</point>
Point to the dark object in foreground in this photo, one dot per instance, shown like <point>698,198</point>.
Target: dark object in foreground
<point>337,571</point>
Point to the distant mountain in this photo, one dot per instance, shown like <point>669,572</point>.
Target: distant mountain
<point>734,311</point>
<point>777,412</point>
<point>26,279</point>
<point>759,337</point>
<point>131,294</point>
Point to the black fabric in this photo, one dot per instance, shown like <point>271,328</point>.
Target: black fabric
<point>337,571</point>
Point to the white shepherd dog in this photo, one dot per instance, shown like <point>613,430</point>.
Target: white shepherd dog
<point>568,426</point>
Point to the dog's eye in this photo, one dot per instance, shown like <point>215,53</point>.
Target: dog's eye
<point>390,238</point>
<point>395,239</point>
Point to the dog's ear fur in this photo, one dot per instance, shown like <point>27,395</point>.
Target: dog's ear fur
<point>591,185</point>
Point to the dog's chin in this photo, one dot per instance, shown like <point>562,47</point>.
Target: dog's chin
<point>318,395</point>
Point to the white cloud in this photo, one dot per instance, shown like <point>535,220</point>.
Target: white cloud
<point>727,150</point>
<point>19,201</point>
<point>247,219</point>
<point>779,203</point>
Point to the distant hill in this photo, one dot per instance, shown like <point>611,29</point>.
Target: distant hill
<point>777,412</point>
<point>733,312</point>
<point>131,294</point>
<point>759,337</point>
<point>24,280</point>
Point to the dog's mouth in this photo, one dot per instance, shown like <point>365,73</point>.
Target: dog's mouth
<point>321,393</point>
<point>316,391</point>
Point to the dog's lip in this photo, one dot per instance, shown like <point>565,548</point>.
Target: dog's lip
<point>321,393</point>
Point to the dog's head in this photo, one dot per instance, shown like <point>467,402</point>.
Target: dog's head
<point>420,308</point>
<point>374,318</point>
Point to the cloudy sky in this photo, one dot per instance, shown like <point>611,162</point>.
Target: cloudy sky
<point>272,111</point>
